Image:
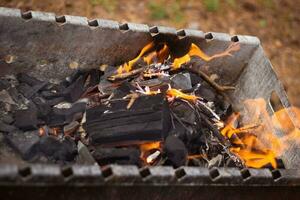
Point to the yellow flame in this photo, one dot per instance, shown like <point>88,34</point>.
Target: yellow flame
<point>128,66</point>
<point>146,147</point>
<point>196,51</point>
<point>163,54</point>
<point>149,146</point>
<point>256,145</point>
<point>173,93</point>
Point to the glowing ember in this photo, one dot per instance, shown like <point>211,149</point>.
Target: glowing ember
<point>153,157</point>
<point>146,148</point>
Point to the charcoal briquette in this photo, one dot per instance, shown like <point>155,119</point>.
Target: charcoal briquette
<point>6,128</point>
<point>181,81</point>
<point>175,151</point>
<point>126,156</point>
<point>25,143</point>
<point>56,150</point>
<point>206,92</point>
<point>29,80</point>
<point>147,120</point>
<point>27,119</point>
<point>8,119</point>
<point>74,91</point>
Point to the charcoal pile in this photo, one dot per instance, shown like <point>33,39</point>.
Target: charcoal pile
<point>152,110</point>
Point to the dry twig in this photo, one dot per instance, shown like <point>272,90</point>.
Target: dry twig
<point>125,75</point>
<point>216,86</point>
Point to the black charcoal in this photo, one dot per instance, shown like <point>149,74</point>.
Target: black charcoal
<point>30,91</point>
<point>195,79</point>
<point>175,151</point>
<point>147,120</point>
<point>124,89</point>
<point>25,143</point>
<point>26,119</point>
<point>93,77</point>
<point>29,80</point>
<point>125,156</point>
<point>70,128</point>
<point>230,162</point>
<point>207,92</point>
<point>54,120</point>
<point>56,150</point>
<point>181,81</point>
<point>73,92</point>
<point>68,150</point>
<point>73,77</point>
<point>15,95</point>
<point>4,127</point>
<point>55,101</point>
<point>62,116</point>
<point>43,109</point>
<point>8,119</point>
<point>49,95</point>
<point>4,84</point>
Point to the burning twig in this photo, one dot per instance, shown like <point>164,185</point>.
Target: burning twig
<point>132,97</point>
<point>125,75</point>
<point>174,93</point>
<point>155,74</point>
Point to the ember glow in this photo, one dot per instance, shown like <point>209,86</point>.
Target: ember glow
<point>257,143</point>
<point>146,148</point>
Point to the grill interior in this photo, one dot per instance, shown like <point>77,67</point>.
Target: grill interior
<point>47,46</point>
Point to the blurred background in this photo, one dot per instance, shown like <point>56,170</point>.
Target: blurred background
<point>275,22</point>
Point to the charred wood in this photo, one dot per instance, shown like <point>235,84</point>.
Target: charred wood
<point>147,120</point>
<point>126,156</point>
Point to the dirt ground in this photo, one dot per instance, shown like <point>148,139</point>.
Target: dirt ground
<point>275,22</point>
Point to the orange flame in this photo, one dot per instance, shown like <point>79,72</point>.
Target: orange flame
<point>173,93</point>
<point>196,51</point>
<point>128,66</point>
<point>153,56</point>
<point>147,147</point>
<point>158,57</point>
<point>256,143</point>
